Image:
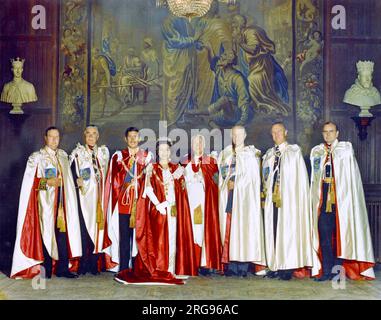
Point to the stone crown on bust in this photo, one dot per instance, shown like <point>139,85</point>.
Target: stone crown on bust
<point>17,62</point>
<point>365,66</point>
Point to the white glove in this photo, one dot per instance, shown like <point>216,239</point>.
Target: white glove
<point>149,158</point>
<point>214,155</point>
<point>179,172</point>
<point>119,156</point>
<point>151,195</point>
<point>162,206</point>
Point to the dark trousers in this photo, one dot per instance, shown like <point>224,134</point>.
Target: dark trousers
<point>327,231</point>
<point>63,254</point>
<point>88,262</point>
<point>125,241</point>
<point>275,222</point>
<point>238,268</point>
<point>63,257</point>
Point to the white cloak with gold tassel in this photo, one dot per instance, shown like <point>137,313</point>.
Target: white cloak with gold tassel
<point>355,237</point>
<point>293,248</point>
<point>88,195</point>
<point>38,165</point>
<point>246,233</point>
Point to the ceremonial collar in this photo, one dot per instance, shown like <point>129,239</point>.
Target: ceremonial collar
<point>130,153</point>
<point>282,146</point>
<point>88,148</point>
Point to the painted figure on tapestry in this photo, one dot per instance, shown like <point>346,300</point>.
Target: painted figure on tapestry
<point>217,38</point>
<point>268,84</point>
<point>231,103</point>
<point>181,41</point>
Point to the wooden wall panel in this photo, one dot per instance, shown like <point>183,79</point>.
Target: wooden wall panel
<point>363,17</point>
<point>38,47</point>
<point>21,135</point>
<point>360,41</point>
<point>374,212</point>
<point>367,152</point>
<point>344,56</point>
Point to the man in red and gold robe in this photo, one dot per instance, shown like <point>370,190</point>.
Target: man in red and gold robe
<point>201,176</point>
<point>125,184</point>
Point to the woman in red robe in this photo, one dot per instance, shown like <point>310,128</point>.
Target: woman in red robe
<point>164,232</point>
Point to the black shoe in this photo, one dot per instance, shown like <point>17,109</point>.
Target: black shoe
<point>204,272</point>
<point>285,276</point>
<point>94,272</point>
<point>229,273</point>
<point>66,274</point>
<point>83,267</point>
<point>48,275</point>
<point>324,277</point>
<point>332,275</point>
<point>272,274</point>
<point>82,271</point>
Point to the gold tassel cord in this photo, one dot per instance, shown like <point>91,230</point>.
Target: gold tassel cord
<point>263,198</point>
<point>100,218</point>
<point>173,211</point>
<point>61,225</point>
<point>276,196</point>
<point>198,215</point>
<point>330,197</point>
<point>133,215</point>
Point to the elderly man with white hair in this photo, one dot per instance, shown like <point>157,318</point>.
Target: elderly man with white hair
<point>201,176</point>
<point>240,206</point>
<point>89,164</point>
<point>287,212</point>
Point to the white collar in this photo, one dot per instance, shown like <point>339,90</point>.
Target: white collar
<point>51,151</point>
<point>334,144</point>
<point>240,148</point>
<point>130,153</point>
<point>196,158</point>
<point>282,146</point>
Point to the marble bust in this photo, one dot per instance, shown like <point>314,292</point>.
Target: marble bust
<point>18,91</point>
<point>362,93</point>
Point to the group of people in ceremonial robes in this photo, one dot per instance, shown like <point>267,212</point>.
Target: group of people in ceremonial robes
<point>153,221</point>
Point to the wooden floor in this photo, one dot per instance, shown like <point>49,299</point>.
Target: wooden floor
<point>214,288</point>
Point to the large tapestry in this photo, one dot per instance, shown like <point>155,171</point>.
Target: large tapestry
<point>128,62</point>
